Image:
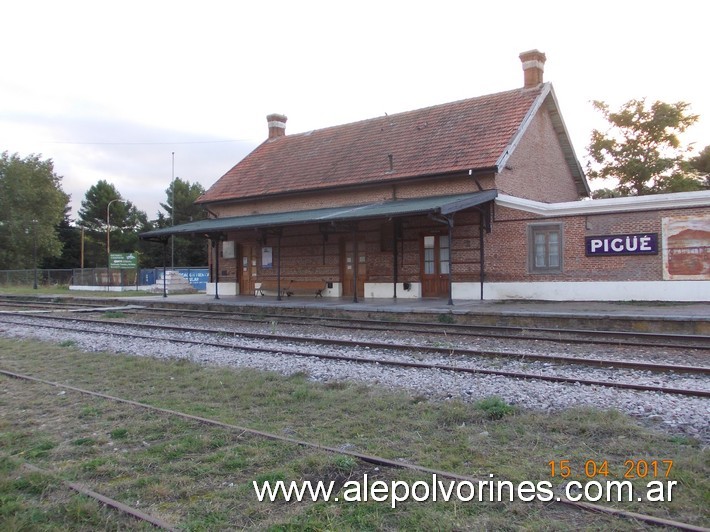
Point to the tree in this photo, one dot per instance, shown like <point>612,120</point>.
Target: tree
<point>32,204</point>
<point>180,205</point>
<point>70,237</point>
<point>641,149</point>
<point>606,193</point>
<point>180,208</point>
<point>125,223</point>
<point>701,164</point>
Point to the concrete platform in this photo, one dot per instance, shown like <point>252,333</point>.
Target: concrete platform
<point>681,318</point>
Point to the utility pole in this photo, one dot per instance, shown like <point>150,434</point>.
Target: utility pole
<point>108,242</point>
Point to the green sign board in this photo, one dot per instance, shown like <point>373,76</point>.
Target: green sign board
<point>123,260</point>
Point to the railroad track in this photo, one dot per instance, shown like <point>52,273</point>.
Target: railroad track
<point>371,459</point>
<point>16,304</point>
<point>513,360</point>
<point>218,340</point>
<point>507,332</point>
<point>448,351</point>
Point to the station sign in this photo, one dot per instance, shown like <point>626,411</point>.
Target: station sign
<point>633,244</point>
<point>123,260</point>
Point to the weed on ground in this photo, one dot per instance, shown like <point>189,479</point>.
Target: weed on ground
<point>200,477</point>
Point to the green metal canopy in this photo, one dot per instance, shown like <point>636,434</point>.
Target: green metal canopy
<point>442,205</point>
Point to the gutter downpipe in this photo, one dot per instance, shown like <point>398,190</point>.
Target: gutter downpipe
<point>395,224</point>
<point>483,225</point>
<point>165,259</point>
<point>278,267</point>
<point>482,272</point>
<point>450,225</point>
<point>215,245</point>
<point>356,258</point>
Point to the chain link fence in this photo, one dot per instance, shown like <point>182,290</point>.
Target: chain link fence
<point>196,276</point>
<point>27,277</point>
<point>104,277</point>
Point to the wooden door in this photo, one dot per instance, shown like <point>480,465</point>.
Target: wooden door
<point>347,266</point>
<point>435,264</point>
<point>247,269</point>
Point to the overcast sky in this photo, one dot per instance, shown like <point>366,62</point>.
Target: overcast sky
<point>109,90</point>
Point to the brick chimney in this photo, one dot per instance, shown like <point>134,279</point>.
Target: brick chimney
<point>533,67</point>
<point>277,125</point>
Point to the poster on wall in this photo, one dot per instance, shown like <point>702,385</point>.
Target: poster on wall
<point>267,258</point>
<point>686,248</point>
<point>228,249</point>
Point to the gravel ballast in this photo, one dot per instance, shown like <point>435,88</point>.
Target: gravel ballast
<point>673,413</point>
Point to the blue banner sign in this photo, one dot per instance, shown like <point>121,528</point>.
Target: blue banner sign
<point>636,244</point>
<point>197,277</point>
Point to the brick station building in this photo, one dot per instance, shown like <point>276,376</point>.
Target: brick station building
<point>479,198</point>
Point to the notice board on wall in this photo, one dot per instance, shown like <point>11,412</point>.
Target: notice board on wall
<point>686,248</point>
<point>267,257</point>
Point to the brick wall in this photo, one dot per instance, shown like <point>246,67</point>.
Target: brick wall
<point>302,202</point>
<point>537,169</point>
<point>441,186</point>
<point>507,246</point>
<point>307,255</point>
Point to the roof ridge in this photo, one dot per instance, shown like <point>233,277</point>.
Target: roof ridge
<point>417,110</point>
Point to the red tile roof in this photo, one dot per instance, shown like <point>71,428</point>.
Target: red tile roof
<point>463,135</point>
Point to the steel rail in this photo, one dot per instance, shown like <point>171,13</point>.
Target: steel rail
<point>466,329</point>
<point>445,351</point>
<point>372,459</point>
<point>603,337</point>
<point>6,300</point>
<point>117,505</point>
<point>404,364</point>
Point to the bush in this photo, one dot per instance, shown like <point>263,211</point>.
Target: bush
<point>494,408</point>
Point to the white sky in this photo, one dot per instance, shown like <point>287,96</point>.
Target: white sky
<point>109,90</point>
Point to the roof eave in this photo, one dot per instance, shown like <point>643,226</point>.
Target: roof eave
<point>672,201</point>
<point>524,124</point>
<point>547,96</point>
<point>561,129</point>
<point>483,196</point>
<point>389,209</point>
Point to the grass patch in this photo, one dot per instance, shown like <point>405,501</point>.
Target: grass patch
<point>89,411</point>
<point>7,289</point>
<point>200,477</point>
<point>88,442</point>
<point>119,434</point>
<point>447,319</point>
<point>494,408</point>
<point>37,501</point>
<point>114,314</point>
<point>39,449</point>
<point>63,290</point>
<point>345,464</point>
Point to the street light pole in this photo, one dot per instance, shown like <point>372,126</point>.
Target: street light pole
<point>172,216</point>
<point>108,242</point>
